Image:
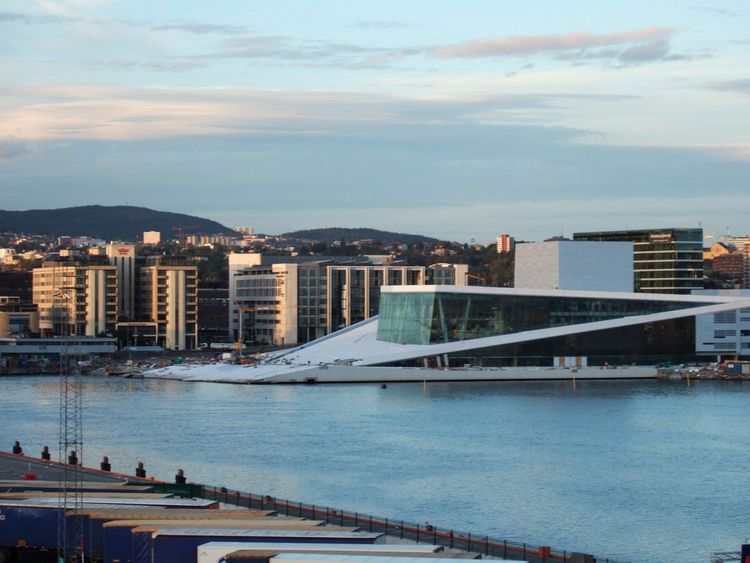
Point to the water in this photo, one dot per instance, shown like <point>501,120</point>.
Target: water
<point>639,471</point>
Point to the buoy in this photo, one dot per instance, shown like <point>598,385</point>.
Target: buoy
<point>383,386</point>
<point>29,476</point>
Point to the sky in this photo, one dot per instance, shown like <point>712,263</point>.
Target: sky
<point>454,119</point>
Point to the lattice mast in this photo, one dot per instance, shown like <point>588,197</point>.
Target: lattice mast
<point>69,529</point>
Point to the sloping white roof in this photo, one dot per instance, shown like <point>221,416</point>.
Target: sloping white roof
<point>358,345</point>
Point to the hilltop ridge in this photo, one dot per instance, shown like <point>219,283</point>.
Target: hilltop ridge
<point>117,222</point>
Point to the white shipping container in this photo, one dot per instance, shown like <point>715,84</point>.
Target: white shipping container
<point>338,558</point>
<point>214,552</point>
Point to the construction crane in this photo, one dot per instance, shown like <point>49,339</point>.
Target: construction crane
<point>180,231</point>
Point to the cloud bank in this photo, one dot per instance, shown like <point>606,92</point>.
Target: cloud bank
<point>635,46</point>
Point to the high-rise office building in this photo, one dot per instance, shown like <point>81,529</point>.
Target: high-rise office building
<point>664,260</point>
<point>122,256</point>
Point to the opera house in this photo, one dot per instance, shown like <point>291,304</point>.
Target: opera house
<point>486,333</point>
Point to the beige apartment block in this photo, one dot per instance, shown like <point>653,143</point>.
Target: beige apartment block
<point>76,299</point>
<point>168,296</point>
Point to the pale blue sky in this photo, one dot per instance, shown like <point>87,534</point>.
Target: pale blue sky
<point>457,119</point>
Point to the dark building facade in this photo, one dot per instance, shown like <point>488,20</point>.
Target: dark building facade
<point>16,283</point>
<point>664,260</point>
<point>213,312</point>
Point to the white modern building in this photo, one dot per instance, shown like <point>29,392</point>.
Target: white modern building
<point>483,333</point>
<point>725,334</point>
<point>577,265</point>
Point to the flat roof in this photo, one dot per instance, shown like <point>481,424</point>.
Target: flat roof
<point>565,293</point>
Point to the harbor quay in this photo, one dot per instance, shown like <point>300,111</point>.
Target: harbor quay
<point>31,485</point>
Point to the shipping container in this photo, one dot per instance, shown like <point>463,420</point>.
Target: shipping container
<point>179,545</point>
<point>85,495</point>
<point>35,524</point>
<point>214,552</point>
<point>35,521</point>
<point>119,501</point>
<point>368,558</point>
<point>113,539</point>
<point>93,521</point>
<point>357,558</point>
<point>147,512</point>
<point>15,486</point>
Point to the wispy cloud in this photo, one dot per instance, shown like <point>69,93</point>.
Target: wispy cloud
<point>739,86</point>
<point>380,24</point>
<point>717,11</point>
<point>30,19</point>
<point>120,113</point>
<point>307,52</point>
<point>10,148</point>
<point>168,65</point>
<point>202,28</point>
<point>626,47</point>
<point>622,48</point>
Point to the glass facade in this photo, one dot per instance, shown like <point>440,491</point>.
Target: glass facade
<point>644,344</point>
<point>665,260</point>
<point>431,318</point>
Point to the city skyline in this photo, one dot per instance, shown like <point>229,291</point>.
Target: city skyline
<point>458,121</point>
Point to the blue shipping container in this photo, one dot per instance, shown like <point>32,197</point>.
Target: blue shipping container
<point>180,544</point>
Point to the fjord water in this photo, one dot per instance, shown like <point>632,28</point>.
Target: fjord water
<point>641,471</point>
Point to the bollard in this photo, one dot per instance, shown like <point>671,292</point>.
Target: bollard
<point>179,479</point>
<point>45,454</point>
<point>17,449</point>
<point>73,458</point>
<point>105,465</point>
<point>140,471</point>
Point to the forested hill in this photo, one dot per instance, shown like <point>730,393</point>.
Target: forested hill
<point>119,222</point>
<point>332,234</point>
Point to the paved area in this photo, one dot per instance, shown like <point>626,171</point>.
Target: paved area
<point>15,466</point>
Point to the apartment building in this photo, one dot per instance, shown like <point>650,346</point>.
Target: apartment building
<point>505,243</point>
<point>144,301</point>
<point>168,298</point>
<point>284,300</point>
<point>76,299</point>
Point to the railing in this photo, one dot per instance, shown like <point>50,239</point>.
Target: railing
<point>421,533</point>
